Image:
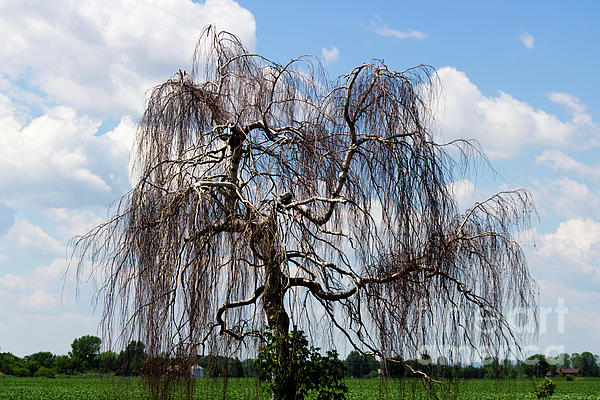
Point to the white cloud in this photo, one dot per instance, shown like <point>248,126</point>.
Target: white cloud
<point>502,124</point>
<point>559,161</point>
<point>573,105</point>
<point>576,243</point>
<point>52,273</point>
<point>382,29</point>
<point>57,159</point>
<point>12,282</point>
<point>528,40</point>
<point>122,137</point>
<point>81,62</point>
<point>463,192</point>
<point>103,56</point>
<point>566,198</point>
<point>38,290</point>
<point>71,222</point>
<point>330,55</point>
<point>69,70</point>
<point>26,236</point>
<point>40,300</point>
<point>49,288</point>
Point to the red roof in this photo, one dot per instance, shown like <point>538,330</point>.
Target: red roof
<point>565,371</point>
<point>568,370</point>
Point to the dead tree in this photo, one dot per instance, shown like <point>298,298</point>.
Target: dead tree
<point>269,195</point>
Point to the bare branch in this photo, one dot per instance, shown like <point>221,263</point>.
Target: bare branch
<point>271,182</point>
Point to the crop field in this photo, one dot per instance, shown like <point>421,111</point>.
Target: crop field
<point>95,388</point>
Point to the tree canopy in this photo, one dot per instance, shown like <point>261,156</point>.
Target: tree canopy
<point>85,347</point>
<point>268,195</point>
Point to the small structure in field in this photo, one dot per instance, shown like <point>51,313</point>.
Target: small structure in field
<point>196,371</point>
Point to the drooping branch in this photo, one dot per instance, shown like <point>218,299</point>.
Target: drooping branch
<point>274,184</point>
<point>229,305</point>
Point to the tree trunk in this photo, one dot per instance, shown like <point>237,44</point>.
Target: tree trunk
<point>285,379</point>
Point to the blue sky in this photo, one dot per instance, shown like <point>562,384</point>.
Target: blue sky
<point>520,77</point>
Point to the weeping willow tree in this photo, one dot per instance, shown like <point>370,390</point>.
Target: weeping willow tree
<point>269,196</point>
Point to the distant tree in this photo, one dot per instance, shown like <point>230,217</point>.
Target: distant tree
<point>45,372</point>
<point>250,368</point>
<point>221,366</point>
<point>564,360</point>
<point>234,368</point>
<point>21,371</point>
<point>588,364</point>
<point>9,362</point>
<point>372,364</point>
<point>108,361</point>
<point>395,367</point>
<point>511,369</point>
<point>132,359</point>
<point>494,369</point>
<point>536,366</point>
<point>64,365</point>
<point>470,372</point>
<point>32,367</point>
<point>441,369</point>
<point>359,365</point>
<point>84,351</point>
<point>44,358</point>
<point>264,185</point>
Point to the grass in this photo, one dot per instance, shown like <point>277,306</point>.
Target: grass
<point>94,388</point>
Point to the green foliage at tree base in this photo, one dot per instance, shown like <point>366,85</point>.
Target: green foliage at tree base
<point>320,374</point>
<point>545,389</point>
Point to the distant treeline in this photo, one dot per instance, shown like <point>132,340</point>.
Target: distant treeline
<point>537,365</point>
<point>85,357</point>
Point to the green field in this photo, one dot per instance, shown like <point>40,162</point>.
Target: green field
<point>94,388</point>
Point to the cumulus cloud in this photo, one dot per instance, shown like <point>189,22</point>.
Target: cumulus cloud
<point>504,125</point>
<point>73,79</point>
<point>11,282</point>
<point>39,300</point>
<point>39,290</point>
<point>566,198</point>
<point>45,287</point>
<point>576,243</point>
<point>49,287</point>
<point>65,67</point>
<point>7,216</point>
<point>58,159</point>
<point>559,161</point>
<point>26,236</point>
<point>71,222</point>
<point>527,39</point>
<point>102,57</point>
<point>330,55</point>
